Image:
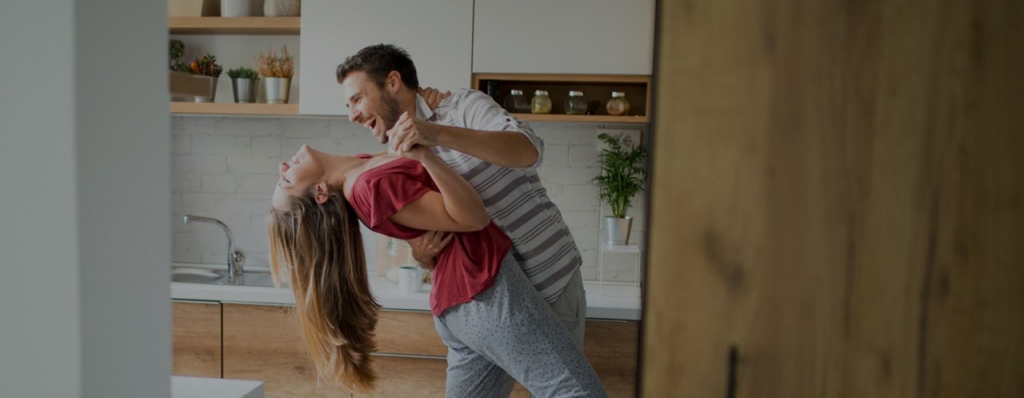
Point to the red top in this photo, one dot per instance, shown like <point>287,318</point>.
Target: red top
<point>470,262</point>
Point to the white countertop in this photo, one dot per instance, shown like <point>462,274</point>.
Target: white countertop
<point>604,301</point>
<point>205,387</point>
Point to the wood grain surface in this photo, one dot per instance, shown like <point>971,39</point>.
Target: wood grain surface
<point>196,339</point>
<point>837,195</point>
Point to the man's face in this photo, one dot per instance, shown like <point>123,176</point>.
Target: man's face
<point>370,105</point>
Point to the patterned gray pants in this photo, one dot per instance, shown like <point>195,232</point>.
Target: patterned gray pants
<point>509,330</point>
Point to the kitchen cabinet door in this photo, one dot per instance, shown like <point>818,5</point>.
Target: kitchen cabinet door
<point>563,36</point>
<point>437,34</point>
<point>263,342</point>
<point>196,339</point>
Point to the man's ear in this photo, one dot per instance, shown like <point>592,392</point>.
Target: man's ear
<point>320,192</point>
<point>394,82</point>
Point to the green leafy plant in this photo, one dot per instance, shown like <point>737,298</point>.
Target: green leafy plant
<point>622,174</point>
<point>206,66</point>
<point>177,50</point>
<point>272,65</point>
<point>242,73</point>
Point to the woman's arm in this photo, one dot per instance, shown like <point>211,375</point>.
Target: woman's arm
<point>457,207</point>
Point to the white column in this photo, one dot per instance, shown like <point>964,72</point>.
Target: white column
<point>84,199</point>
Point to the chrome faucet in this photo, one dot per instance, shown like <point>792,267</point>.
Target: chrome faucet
<point>235,257</point>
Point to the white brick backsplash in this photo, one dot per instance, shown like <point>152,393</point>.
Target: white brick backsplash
<point>257,183</point>
<point>226,168</point>
<point>342,128</point>
<point>555,154</point>
<point>200,163</point>
<point>181,143</point>
<point>574,195</point>
<point>249,127</point>
<point>200,203</point>
<point>266,147</point>
<point>291,145</point>
<point>581,217</point>
<point>232,146</point>
<point>254,165</point>
<point>185,182</point>
<point>583,155</point>
<point>307,128</point>
<point>198,125</point>
<point>219,183</point>
<point>567,174</point>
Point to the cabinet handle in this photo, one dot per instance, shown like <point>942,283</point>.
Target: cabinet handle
<point>730,391</point>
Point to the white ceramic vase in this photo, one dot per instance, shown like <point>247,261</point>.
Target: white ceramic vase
<point>282,8</point>
<point>235,8</point>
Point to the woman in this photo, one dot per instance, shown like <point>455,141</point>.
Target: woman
<point>480,298</point>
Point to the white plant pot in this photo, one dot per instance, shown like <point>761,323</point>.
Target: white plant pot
<point>276,89</point>
<point>235,8</point>
<point>616,230</point>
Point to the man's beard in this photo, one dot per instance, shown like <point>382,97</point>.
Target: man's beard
<point>389,113</point>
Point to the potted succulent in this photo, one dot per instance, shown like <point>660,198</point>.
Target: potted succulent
<point>207,66</point>
<point>243,84</point>
<point>622,177</point>
<point>277,74</point>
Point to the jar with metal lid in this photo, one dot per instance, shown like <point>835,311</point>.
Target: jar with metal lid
<point>618,106</point>
<point>540,103</point>
<point>575,104</point>
<point>516,102</point>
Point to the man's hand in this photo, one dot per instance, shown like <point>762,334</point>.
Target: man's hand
<point>409,132</point>
<point>433,96</point>
<point>426,247</point>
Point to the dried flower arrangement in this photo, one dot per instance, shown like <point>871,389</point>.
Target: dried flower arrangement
<point>274,66</point>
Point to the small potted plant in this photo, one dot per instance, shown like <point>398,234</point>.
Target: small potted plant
<point>277,74</point>
<point>243,84</point>
<point>622,177</point>
<point>207,66</point>
<point>177,50</point>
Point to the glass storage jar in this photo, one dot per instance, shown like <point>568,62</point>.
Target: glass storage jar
<point>540,103</point>
<point>516,102</point>
<point>618,106</point>
<point>575,104</point>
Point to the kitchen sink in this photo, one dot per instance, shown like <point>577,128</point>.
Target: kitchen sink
<point>219,277</point>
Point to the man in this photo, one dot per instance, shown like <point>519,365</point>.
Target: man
<point>491,149</point>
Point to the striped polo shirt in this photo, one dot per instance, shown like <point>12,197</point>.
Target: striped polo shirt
<point>515,198</point>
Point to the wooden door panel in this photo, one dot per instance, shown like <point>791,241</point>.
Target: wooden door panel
<point>196,331</point>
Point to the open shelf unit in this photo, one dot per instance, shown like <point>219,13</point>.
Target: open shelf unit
<point>235,26</point>
<point>596,90</point>
<point>231,108</point>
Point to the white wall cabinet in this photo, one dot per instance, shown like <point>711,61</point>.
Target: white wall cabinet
<point>437,34</point>
<point>563,36</point>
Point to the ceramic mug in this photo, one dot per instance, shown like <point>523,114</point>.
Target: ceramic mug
<point>410,279</point>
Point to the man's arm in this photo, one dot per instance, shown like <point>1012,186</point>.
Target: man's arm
<point>492,134</point>
<point>503,148</point>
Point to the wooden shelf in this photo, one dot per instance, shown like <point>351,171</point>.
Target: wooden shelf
<point>597,90</point>
<point>230,108</point>
<point>582,118</point>
<point>237,26</point>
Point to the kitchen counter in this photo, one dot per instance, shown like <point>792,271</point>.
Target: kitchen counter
<point>604,301</point>
<point>205,387</point>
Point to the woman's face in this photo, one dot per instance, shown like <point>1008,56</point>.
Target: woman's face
<point>298,175</point>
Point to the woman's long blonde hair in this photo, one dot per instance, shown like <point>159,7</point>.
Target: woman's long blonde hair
<point>322,250</point>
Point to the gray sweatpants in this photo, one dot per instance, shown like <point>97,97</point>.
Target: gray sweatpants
<point>510,330</point>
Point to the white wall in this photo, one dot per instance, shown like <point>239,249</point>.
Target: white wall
<point>84,234</point>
